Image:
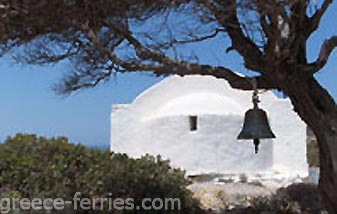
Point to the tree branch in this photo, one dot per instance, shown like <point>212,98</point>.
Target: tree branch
<point>199,39</point>
<point>240,42</point>
<point>165,66</point>
<point>270,29</point>
<point>315,20</point>
<point>72,88</point>
<point>184,68</point>
<point>190,40</point>
<point>181,68</point>
<point>328,46</point>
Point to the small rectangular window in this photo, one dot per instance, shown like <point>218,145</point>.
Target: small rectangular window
<point>193,123</point>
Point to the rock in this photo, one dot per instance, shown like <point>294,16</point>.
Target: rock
<point>220,196</point>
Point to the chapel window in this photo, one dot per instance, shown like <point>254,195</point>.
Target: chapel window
<point>193,123</point>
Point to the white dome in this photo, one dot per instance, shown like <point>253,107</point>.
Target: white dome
<point>199,103</point>
<point>192,94</point>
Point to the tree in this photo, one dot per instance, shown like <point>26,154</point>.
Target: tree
<point>105,37</point>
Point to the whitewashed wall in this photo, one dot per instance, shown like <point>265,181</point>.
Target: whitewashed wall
<point>157,122</point>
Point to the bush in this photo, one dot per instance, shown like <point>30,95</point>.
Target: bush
<point>33,166</point>
<point>313,153</point>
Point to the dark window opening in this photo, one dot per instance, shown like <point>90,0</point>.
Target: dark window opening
<point>193,123</point>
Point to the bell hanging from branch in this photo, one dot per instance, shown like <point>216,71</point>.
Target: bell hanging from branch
<point>256,125</point>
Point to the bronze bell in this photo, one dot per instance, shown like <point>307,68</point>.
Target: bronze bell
<point>256,125</point>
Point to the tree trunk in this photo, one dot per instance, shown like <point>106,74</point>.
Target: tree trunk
<point>317,108</point>
<point>328,176</point>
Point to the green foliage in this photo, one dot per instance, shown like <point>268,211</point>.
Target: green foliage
<point>29,31</point>
<point>33,166</point>
<point>34,18</point>
<point>313,153</point>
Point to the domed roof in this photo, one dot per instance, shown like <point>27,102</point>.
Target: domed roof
<point>193,94</point>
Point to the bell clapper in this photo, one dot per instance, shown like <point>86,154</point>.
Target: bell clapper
<point>256,143</point>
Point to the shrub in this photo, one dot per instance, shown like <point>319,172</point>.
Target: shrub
<point>313,153</point>
<point>33,166</point>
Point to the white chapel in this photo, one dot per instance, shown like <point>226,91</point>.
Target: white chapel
<point>194,122</point>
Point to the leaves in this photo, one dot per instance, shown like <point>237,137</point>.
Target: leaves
<point>33,166</point>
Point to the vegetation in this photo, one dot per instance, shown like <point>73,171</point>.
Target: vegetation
<point>105,37</point>
<point>313,153</point>
<point>33,166</point>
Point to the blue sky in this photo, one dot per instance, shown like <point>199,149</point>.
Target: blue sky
<point>29,105</point>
